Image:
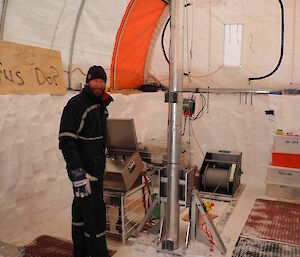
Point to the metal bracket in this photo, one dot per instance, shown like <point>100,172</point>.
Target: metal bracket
<point>146,217</point>
<point>196,208</point>
<point>171,97</point>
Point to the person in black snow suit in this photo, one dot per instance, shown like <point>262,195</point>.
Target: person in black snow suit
<point>82,138</point>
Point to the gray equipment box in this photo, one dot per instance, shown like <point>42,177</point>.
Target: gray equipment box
<point>123,161</point>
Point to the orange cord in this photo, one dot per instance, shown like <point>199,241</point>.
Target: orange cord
<point>210,238</point>
<point>77,68</point>
<point>206,75</point>
<point>148,187</point>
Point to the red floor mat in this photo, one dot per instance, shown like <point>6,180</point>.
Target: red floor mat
<point>47,246</point>
<point>274,220</point>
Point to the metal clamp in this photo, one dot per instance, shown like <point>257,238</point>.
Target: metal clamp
<point>171,97</point>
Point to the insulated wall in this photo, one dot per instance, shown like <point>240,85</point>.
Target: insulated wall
<point>34,186</point>
<point>35,192</point>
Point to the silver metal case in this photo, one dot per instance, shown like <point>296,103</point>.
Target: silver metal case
<point>123,161</point>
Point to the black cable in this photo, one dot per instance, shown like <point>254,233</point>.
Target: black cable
<point>184,126</point>
<point>200,113</point>
<point>163,36</point>
<point>197,140</point>
<point>282,43</point>
<point>162,40</point>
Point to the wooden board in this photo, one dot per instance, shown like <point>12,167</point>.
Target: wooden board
<point>30,70</point>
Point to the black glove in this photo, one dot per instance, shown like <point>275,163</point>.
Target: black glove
<point>81,185</point>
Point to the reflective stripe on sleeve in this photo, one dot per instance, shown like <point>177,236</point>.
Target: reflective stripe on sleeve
<point>86,234</point>
<point>97,235</point>
<point>90,138</point>
<point>100,235</point>
<point>67,134</point>
<point>77,224</point>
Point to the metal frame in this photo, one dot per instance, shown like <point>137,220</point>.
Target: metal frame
<point>126,233</point>
<point>192,232</point>
<point>146,217</point>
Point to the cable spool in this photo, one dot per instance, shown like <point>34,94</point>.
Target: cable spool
<point>216,179</point>
<point>220,172</point>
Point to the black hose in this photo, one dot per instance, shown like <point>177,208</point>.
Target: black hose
<point>282,43</point>
<point>163,36</point>
<point>162,40</point>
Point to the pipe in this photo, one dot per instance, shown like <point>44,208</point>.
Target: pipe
<point>294,41</point>
<point>282,44</point>
<point>73,43</point>
<point>3,18</point>
<point>175,124</point>
<point>226,90</point>
<point>162,40</point>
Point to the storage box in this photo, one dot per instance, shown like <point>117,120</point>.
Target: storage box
<point>283,175</point>
<point>123,161</point>
<point>287,144</point>
<point>282,191</point>
<point>289,160</point>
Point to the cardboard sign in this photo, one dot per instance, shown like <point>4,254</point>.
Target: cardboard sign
<point>30,70</point>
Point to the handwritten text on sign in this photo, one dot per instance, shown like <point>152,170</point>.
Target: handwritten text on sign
<point>30,70</point>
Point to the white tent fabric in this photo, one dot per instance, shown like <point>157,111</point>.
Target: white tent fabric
<point>261,42</point>
<point>33,183</point>
<point>50,24</point>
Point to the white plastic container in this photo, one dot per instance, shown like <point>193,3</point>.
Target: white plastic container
<point>282,191</point>
<point>283,175</point>
<point>286,144</point>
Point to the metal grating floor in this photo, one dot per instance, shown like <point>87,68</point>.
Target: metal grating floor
<point>263,248</point>
<point>274,220</point>
<point>47,246</point>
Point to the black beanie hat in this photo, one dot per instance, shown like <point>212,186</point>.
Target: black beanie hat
<point>96,72</point>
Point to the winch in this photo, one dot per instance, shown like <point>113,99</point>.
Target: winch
<point>220,172</point>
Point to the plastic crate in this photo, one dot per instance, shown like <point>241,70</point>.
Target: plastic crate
<point>283,175</point>
<point>288,160</point>
<point>282,191</point>
<point>287,144</point>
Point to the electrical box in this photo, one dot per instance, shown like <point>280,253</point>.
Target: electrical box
<point>188,106</point>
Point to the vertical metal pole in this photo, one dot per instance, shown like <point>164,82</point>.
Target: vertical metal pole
<point>193,218</point>
<point>123,218</point>
<point>3,15</point>
<point>174,124</point>
<point>73,43</point>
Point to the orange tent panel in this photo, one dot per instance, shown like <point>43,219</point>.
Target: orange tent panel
<point>132,41</point>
